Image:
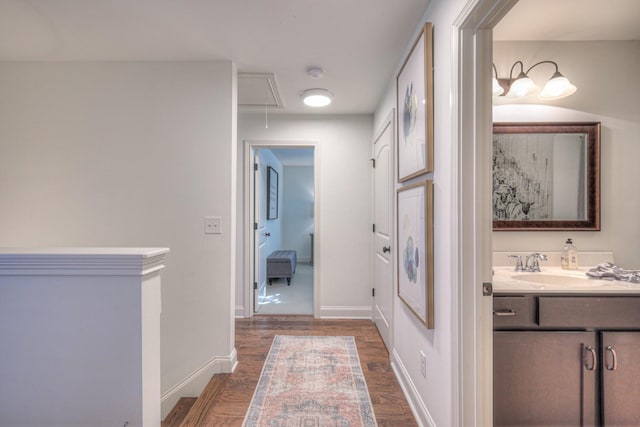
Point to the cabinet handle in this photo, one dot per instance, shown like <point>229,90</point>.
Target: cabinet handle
<point>614,359</point>
<point>504,313</point>
<point>594,359</point>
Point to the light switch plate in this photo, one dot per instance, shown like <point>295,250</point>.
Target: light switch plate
<point>212,225</point>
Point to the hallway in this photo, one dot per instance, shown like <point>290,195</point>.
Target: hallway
<point>253,341</point>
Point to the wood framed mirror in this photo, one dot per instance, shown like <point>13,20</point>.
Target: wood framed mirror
<point>546,176</point>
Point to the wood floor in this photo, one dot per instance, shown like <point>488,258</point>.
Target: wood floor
<point>253,340</point>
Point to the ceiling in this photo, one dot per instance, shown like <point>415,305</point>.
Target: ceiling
<point>571,20</point>
<point>359,43</point>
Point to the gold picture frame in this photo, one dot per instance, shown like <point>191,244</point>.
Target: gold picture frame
<point>414,97</point>
<point>415,249</point>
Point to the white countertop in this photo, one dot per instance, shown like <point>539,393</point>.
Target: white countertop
<point>508,281</point>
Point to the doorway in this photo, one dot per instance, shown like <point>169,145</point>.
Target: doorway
<point>473,129</point>
<point>282,227</point>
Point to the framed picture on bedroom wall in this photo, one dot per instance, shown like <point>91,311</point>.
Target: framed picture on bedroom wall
<point>272,193</point>
<point>414,93</point>
<point>415,249</point>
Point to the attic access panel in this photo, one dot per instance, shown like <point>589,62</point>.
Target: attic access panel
<point>258,90</point>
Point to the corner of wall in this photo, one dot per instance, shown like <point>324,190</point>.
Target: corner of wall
<point>194,384</point>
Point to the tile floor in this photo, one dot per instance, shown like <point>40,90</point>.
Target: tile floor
<point>294,299</point>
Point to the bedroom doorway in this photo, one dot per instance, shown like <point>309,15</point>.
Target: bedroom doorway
<point>282,229</point>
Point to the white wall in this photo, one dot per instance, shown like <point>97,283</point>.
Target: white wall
<point>130,154</point>
<point>433,395</point>
<point>608,92</point>
<point>344,149</point>
<point>297,209</point>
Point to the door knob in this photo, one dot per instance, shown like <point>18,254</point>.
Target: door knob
<point>267,234</point>
<point>386,249</point>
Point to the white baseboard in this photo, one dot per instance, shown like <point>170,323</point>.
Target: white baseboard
<point>239,311</point>
<point>420,411</point>
<point>345,312</point>
<point>194,384</point>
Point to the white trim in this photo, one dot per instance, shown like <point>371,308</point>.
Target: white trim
<point>239,312</point>
<point>249,147</point>
<point>345,312</point>
<point>472,116</point>
<point>81,261</point>
<point>195,383</point>
<point>419,409</point>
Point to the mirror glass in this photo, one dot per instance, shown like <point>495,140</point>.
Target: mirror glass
<point>546,176</point>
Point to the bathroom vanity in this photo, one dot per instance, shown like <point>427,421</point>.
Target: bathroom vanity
<point>566,349</point>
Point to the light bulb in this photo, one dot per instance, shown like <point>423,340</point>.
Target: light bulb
<point>557,87</point>
<point>522,86</point>
<point>317,97</point>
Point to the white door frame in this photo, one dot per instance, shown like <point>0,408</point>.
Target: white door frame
<point>472,121</point>
<point>249,147</point>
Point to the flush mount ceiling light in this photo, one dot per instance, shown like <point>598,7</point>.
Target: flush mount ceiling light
<point>317,97</point>
<point>557,87</point>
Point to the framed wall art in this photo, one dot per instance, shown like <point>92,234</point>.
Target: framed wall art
<point>414,94</point>
<point>546,176</point>
<point>272,193</point>
<point>415,249</point>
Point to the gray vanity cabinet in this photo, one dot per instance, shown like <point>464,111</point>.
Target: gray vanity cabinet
<point>620,378</point>
<point>541,378</point>
<point>566,360</point>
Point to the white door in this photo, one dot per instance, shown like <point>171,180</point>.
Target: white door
<point>259,236</point>
<point>382,219</point>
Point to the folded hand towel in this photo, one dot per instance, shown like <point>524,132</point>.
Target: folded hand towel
<point>610,271</point>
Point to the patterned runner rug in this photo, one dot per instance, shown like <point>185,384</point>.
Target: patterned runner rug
<point>311,381</point>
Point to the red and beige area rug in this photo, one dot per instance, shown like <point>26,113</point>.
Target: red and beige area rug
<point>311,381</point>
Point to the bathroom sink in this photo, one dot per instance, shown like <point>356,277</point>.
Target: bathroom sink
<point>551,279</point>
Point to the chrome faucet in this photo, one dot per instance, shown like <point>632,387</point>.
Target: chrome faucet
<point>519,266</point>
<point>535,266</point>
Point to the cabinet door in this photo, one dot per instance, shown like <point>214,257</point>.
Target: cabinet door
<point>621,378</point>
<point>544,378</point>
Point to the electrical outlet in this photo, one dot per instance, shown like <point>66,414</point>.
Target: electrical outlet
<point>423,364</point>
<point>212,225</point>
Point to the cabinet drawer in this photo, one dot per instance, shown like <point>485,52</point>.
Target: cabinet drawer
<point>514,312</point>
<point>589,312</point>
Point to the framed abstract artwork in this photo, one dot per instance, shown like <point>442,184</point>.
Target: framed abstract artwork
<point>414,94</point>
<point>415,249</point>
<point>546,176</point>
<point>272,193</point>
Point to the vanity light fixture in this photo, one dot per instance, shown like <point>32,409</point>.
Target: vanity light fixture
<point>317,97</point>
<point>557,87</point>
<point>497,89</point>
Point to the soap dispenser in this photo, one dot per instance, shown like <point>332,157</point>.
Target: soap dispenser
<point>569,258</point>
